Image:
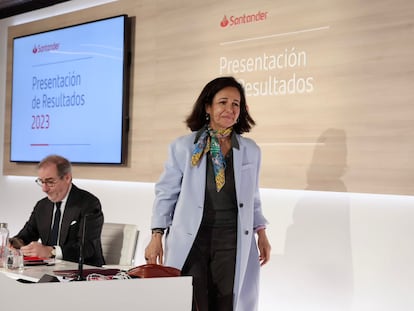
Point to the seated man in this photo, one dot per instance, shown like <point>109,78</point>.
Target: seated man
<point>58,219</point>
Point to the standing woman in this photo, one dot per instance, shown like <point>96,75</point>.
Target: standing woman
<point>208,201</point>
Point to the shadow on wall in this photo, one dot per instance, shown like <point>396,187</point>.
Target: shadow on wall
<point>315,272</point>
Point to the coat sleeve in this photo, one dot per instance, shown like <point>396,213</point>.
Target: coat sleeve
<point>168,187</point>
<point>30,231</point>
<point>258,218</point>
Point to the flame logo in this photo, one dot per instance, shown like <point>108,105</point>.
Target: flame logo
<point>224,22</point>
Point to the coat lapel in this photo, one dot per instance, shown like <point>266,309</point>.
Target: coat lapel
<point>237,164</point>
<point>200,175</point>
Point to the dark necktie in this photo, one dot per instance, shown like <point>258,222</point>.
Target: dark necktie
<point>55,228</point>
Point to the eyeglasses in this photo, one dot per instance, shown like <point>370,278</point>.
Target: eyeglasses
<point>48,182</point>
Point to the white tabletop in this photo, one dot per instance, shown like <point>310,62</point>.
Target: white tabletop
<point>34,273</point>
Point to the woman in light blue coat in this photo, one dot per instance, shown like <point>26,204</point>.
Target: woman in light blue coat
<point>208,202</point>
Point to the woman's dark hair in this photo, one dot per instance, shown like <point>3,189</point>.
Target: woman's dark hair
<point>197,118</point>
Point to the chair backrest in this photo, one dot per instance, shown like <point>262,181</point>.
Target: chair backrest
<point>119,243</point>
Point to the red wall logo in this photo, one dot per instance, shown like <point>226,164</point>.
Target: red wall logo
<point>45,48</point>
<point>243,19</point>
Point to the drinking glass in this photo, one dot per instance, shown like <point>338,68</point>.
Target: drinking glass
<point>15,259</point>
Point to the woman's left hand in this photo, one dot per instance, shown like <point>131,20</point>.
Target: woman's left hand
<point>264,247</point>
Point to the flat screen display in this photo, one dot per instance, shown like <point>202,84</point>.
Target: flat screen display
<point>69,93</point>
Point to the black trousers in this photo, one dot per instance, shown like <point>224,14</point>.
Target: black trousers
<point>211,262</point>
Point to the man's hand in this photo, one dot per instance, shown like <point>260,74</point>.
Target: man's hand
<point>16,243</point>
<point>36,249</point>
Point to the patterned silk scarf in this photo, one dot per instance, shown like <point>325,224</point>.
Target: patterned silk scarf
<point>208,141</point>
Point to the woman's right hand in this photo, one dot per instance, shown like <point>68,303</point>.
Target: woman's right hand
<point>153,252</point>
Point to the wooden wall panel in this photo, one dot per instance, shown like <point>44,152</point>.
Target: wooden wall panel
<point>348,128</point>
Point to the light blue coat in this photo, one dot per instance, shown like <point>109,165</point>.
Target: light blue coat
<point>179,206</point>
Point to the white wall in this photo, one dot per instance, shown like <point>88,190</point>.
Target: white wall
<point>331,251</point>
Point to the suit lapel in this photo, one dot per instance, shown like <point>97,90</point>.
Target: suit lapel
<point>71,213</point>
<point>47,228</point>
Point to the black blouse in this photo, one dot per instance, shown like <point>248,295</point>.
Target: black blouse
<point>220,208</point>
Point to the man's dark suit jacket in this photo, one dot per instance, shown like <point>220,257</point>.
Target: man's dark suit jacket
<point>79,203</point>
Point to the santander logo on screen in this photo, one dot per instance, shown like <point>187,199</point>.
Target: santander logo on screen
<point>243,19</point>
<point>45,48</point>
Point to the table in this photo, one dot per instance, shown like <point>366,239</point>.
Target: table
<point>34,273</point>
<point>171,293</point>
